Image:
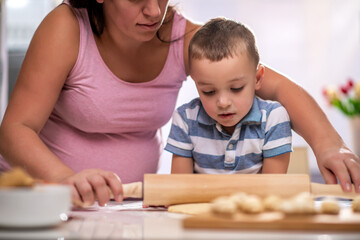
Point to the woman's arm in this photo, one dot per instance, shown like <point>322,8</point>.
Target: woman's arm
<point>335,159</point>
<point>277,164</point>
<point>50,57</point>
<point>182,164</point>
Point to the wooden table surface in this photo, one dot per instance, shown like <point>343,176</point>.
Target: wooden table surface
<point>128,220</point>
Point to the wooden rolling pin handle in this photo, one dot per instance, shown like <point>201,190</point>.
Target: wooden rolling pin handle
<point>130,190</point>
<point>133,190</point>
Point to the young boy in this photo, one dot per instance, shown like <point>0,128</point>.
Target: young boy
<point>228,130</point>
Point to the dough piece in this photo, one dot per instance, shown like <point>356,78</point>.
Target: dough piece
<point>16,177</point>
<point>191,208</point>
<point>223,206</point>
<point>302,203</point>
<point>272,203</point>
<point>252,204</point>
<point>288,207</point>
<point>239,199</point>
<point>330,206</point>
<point>305,196</point>
<point>356,204</point>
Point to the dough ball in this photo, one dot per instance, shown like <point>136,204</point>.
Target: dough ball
<point>356,204</point>
<point>287,206</point>
<point>252,204</point>
<point>238,199</point>
<point>330,206</point>
<point>304,196</point>
<point>303,206</point>
<point>272,203</point>
<point>223,206</point>
<point>302,203</point>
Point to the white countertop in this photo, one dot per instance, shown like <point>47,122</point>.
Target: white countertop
<point>128,220</point>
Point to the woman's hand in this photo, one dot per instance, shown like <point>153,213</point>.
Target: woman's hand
<point>95,184</point>
<point>339,163</point>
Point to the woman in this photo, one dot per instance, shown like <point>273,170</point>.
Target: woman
<point>100,79</point>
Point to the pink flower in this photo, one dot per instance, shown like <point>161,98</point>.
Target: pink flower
<point>346,97</point>
<point>344,89</point>
<point>350,83</point>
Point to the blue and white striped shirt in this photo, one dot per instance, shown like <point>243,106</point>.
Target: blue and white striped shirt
<point>264,132</point>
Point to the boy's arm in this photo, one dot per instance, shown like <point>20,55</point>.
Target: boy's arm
<point>278,141</point>
<point>182,164</point>
<point>277,164</point>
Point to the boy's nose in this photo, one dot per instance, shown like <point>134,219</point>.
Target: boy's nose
<point>152,8</point>
<point>223,101</point>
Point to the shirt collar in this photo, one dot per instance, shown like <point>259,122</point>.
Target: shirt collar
<point>253,116</point>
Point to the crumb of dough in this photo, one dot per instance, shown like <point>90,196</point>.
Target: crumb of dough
<point>238,199</point>
<point>252,204</point>
<point>287,206</point>
<point>305,196</point>
<point>330,206</point>
<point>223,206</point>
<point>272,202</point>
<point>302,203</point>
<point>356,204</point>
<point>16,177</point>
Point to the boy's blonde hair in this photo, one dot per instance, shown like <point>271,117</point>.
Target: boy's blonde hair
<point>222,38</point>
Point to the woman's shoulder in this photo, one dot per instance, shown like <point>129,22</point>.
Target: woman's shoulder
<point>57,37</point>
<point>59,29</point>
<point>62,18</point>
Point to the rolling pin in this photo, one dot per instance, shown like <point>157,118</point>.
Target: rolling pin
<point>196,188</point>
<point>163,190</point>
<point>170,189</point>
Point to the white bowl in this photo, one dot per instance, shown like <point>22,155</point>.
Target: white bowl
<point>39,206</point>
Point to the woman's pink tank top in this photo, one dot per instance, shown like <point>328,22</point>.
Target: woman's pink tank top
<point>100,121</point>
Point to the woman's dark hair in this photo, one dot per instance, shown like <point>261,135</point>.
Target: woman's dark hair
<point>95,12</point>
<point>96,15</point>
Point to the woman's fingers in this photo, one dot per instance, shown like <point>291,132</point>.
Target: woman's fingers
<point>95,184</point>
<point>329,176</point>
<point>354,168</point>
<point>76,199</point>
<point>115,185</point>
<point>100,189</point>
<point>341,164</point>
<point>85,191</point>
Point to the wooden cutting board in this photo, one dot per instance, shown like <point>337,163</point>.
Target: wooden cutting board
<point>345,221</point>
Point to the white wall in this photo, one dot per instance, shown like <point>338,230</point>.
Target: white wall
<point>315,42</point>
<point>3,60</point>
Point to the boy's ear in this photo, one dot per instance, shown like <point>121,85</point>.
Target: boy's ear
<point>259,76</point>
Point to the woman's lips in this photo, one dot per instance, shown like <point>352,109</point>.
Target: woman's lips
<point>149,26</point>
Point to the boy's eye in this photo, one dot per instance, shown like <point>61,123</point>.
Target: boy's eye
<point>237,89</point>
<point>208,93</point>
